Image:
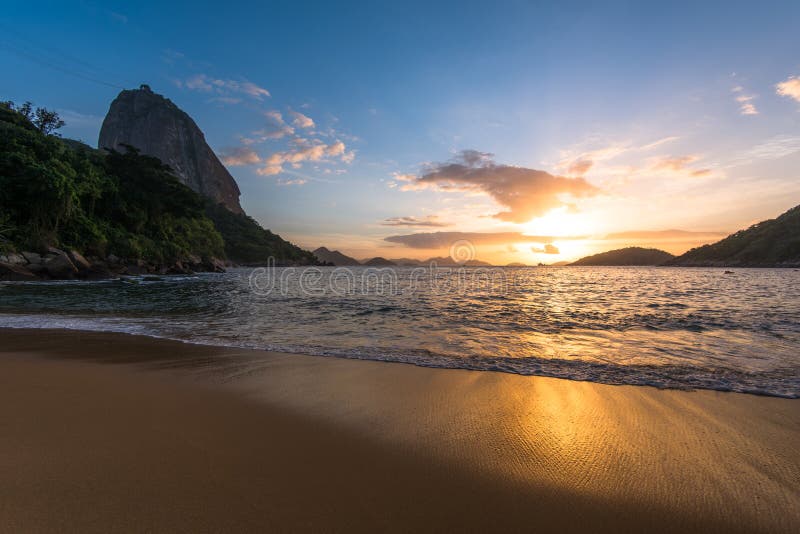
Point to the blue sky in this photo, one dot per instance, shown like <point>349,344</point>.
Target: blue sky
<point>671,113</point>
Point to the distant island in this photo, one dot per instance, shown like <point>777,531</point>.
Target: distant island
<point>630,256</point>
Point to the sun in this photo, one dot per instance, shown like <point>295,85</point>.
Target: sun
<point>560,222</point>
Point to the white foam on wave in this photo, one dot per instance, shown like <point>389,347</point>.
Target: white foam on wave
<point>664,377</point>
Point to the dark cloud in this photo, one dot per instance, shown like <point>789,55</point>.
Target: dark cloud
<point>429,222</point>
<point>438,240</point>
<point>678,239</point>
<point>526,193</point>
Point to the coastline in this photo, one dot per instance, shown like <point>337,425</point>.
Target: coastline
<point>181,437</point>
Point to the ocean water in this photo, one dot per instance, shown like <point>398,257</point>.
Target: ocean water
<point>664,327</point>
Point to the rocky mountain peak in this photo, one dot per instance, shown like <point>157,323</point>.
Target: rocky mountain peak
<point>157,127</point>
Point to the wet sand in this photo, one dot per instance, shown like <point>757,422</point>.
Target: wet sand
<point>116,433</point>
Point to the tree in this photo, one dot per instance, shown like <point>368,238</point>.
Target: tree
<point>45,120</point>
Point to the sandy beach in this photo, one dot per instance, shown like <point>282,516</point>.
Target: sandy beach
<point>116,433</point>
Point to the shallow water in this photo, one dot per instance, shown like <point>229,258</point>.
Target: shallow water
<point>666,327</point>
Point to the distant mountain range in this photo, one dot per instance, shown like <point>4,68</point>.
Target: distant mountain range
<point>626,256</point>
<point>334,257</point>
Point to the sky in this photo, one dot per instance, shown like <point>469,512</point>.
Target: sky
<point>519,131</point>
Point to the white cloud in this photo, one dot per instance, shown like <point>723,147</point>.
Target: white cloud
<point>240,156</point>
<point>773,148</point>
<point>292,181</point>
<point>790,88</point>
<point>314,151</point>
<point>660,142</point>
<point>204,83</point>
<point>300,120</point>
<point>746,105</point>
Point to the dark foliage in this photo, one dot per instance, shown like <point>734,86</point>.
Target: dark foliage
<point>247,243</point>
<point>626,256</point>
<point>123,204</point>
<point>775,242</point>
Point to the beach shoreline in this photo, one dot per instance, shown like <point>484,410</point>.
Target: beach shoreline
<point>181,437</point>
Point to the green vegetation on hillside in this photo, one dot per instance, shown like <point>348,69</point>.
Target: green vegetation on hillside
<point>630,256</point>
<point>775,242</point>
<point>123,204</point>
<point>61,193</point>
<point>246,242</point>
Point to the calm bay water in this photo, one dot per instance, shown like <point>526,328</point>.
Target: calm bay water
<point>666,327</point>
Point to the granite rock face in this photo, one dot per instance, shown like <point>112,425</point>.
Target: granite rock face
<point>157,127</point>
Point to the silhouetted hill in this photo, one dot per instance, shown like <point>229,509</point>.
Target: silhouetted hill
<point>379,262</point>
<point>247,243</point>
<point>771,243</point>
<point>334,257</point>
<point>626,256</point>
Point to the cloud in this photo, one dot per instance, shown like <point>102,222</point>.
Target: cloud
<point>789,87</point>
<point>300,120</point>
<point>253,90</point>
<point>313,151</point>
<point>240,156</point>
<point>746,106</point>
<point>579,167</point>
<point>775,147</point>
<point>76,118</point>
<point>526,193</point>
<point>679,164</point>
<point>276,129</point>
<point>545,244</point>
<point>119,17</point>
<point>204,83</point>
<point>659,142</point>
<point>439,240</point>
<point>546,249</point>
<point>292,181</point>
<point>429,221</point>
<point>226,100</point>
<point>577,163</point>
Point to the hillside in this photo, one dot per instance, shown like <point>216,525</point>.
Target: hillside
<point>126,212</point>
<point>770,243</point>
<point>379,262</point>
<point>334,257</point>
<point>247,243</point>
<point>630,256</point>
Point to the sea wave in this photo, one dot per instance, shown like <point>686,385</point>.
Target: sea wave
<point>779,382</point>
